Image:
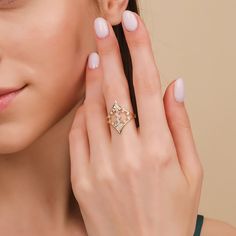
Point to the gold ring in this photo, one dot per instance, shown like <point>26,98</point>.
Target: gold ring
<point>118,117</point>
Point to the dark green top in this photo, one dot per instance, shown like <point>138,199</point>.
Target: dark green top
<point>199,223</point>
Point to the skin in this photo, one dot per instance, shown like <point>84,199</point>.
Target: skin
<point>49,54</point>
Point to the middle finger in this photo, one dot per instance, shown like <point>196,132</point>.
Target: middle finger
<point>147,84</point>
<point>115,85</point>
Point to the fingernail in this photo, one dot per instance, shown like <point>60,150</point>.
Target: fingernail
<point>101,27</point>
<point>93,60</point>
<point>129,20</point>
<point>179,90</point>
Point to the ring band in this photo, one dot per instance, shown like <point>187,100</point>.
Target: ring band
<point>118,117</point>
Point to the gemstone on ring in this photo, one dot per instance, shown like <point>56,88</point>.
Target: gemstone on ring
<point>118,117</point>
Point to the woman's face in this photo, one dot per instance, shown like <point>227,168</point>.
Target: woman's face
<point>44,44</point>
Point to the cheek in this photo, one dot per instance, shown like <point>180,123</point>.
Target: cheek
<point>53,54</point>
<point>55,57</point>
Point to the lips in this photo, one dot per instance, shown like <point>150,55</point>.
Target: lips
<point>7,95</point>
<point>5,91</point>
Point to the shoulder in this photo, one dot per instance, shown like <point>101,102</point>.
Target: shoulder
<point>214,227</point>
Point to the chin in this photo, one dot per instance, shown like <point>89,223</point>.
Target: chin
<point>15,139</point>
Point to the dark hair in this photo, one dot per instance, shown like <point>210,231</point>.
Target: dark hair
<point>125,54</point>
<point>128,69</point>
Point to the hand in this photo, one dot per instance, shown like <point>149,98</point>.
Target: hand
<point>146,180</point>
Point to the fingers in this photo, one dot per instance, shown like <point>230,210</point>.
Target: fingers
<point>79,146</point>
<point>95,109</point>
<point>180,127</point>
<point>146,79</point>
<point>114,85</point>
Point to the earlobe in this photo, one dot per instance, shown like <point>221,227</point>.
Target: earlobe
<point>112,10</point>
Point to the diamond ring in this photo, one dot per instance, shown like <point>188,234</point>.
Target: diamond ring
<point>118,117</point>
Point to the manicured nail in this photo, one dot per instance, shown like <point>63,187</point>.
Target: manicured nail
<point>101,27</point>
<point>179,90</point>
<point>93,60</point>
<point>129,20</point>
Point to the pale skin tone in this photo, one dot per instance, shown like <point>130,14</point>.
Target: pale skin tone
<point>46,45</point>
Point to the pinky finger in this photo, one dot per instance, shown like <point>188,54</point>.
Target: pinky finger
<point>79,147</point>
<point>181,130</point>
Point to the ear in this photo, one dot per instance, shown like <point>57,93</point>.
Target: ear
<point>112,10</point>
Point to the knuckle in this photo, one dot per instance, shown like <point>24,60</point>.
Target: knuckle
<point>151,152</point>
<point>72,134</point>
<point>111,46</point>
<point>183,123</point>
<point>196,177</point>
<point>140,40</point>
<point>111,88</point>
<point>105,177</point>
<point>147,82</point>
<point>198,172</point>
<point>181,120</point>
<point>93,108</point>
<point>78,124</point>
<point>161,156</point>
<point>130,168</point>
<point>82,190</point>
<point>82,185</point>
<point>164,159</point>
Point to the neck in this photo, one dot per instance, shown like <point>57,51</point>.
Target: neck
<point>35,182</point>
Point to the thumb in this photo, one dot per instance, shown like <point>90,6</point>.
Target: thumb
<point>180,127</point>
